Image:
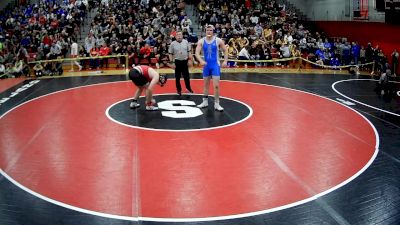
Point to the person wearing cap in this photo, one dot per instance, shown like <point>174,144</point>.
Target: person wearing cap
<point>179,55</point>
<point>210,45</point>
<point>145,78</point>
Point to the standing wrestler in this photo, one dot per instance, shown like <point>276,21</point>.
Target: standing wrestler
<point>210,45</point>
<point>145,78</point>
<point>180,52</point>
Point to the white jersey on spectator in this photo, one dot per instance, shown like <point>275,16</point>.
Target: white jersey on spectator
<point>2,68</point>
<point>186,20</point>
<point>290,39</point>
<point>254,19</point>
<point>74,49</point>
<point>89,43</point>
<point>104,2</point>
<point>55,49</point>
<point>244,53</point>
<point>285,51</point>
<point>100,41</point>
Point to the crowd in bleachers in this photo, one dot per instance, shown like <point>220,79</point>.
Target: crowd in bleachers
<point>39,31</point>
<point>143,29</point>
<point>267,30</point>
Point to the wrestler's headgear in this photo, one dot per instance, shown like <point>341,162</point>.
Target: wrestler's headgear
<point>163,79</point>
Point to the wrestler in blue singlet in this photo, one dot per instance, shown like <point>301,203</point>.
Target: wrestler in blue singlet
<point>210,50</point>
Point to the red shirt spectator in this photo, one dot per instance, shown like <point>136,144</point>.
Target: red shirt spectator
<point>173,33</point>
<point>47,40</point>
<point>32,20</point>
<point>145,51</point>
<point>104,50</point>
<point>248,4</point>
<point>94,52</point>
<point>42,20</point>
<point>54,24</point>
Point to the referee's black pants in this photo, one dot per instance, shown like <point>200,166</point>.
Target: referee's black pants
<point>182,69</point>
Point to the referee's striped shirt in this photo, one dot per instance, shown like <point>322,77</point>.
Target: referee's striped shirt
<point>180,50</point>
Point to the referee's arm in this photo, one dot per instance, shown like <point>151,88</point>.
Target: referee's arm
<point>171,56</point>
<point>171,53</point>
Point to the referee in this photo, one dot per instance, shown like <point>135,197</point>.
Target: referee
<point>179,54</point>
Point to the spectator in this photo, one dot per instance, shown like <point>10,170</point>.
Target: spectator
<point>327,45</point>
<point>362,55</point>
<point>384,86</point>
<point>335,62</point>
<point>38,69</point>
<point>55,51</point>
<point>355,52</point>
<point>395,61</point>
<point>2,71</point>
<point>186,21</point>
<point>145,52</point>
<point>104,51</point>
<point>320,54</point>
<point>285,51</point>
<point>94,61</point>
<point>254,19</point>
<point>23,54</point>
<point>58,70</point>
<point>224,8</point>
<point>319,61</point>
<point>244,54</point>
<point>131,55</point>
<point>74,54</point>
<point>232,54</point>
<point>19,68</point>
<point>254,54</point>
<point>82,53</point>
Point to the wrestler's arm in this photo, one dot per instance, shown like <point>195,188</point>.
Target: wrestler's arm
<point>198,50</point>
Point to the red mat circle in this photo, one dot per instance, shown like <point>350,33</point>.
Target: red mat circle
<point>294,147</point>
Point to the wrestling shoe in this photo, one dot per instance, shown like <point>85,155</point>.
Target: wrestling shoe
<point>218,107</point>
<point>134,105</point>
<point>151,108</point>
<point>203,104</point>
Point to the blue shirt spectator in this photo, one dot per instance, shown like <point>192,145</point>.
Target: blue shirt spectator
<point>355,52</point>
<point>28,11</point>
<point>26,41</point>
<point>320,54</point>
<point>327,45</point>
<point>335,61</point>
<point>346,53</point>
<point>150,40</point>
<point>61,11</point>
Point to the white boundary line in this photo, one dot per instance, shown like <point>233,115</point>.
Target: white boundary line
<point>16,183</point>
<point>361,103</point>
<point>188,130</point>
<point>204,218</point>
